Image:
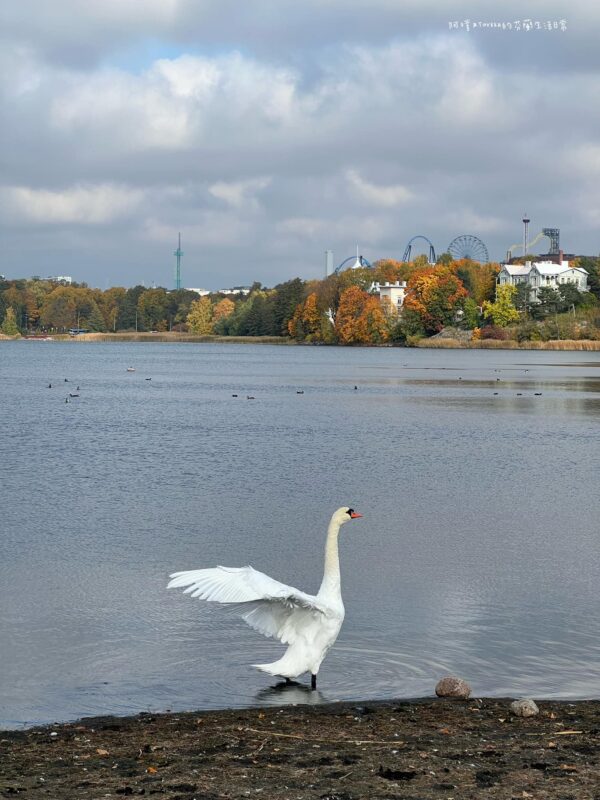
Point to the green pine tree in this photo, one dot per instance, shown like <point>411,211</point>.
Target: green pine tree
<point>95,320</point>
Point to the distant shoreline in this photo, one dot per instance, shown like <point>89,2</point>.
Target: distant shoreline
<point>145,337</point>
<point>589,345</point>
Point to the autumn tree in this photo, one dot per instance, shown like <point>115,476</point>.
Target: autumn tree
<point>110,304</point>
<point>199,320</point>
<point>348,314</point>
<point>179,303</point>
<point>502,311</point>
<point>328,294</point>
<point>223,309</point>
<point>360,318</point>
<point>389,270</point>
<point>295,327</point>
<point>9,325</point>
<point>307,322</point>
<point>59,309</point>
<point>311,318</point>
<point>420,261</point>
<point>478,279</point>
<point>374,321</point>
<point>152,309</point>
<point>16,297</point>
<point>435,294</point>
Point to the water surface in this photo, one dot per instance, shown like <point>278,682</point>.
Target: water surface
<point>477,555</point>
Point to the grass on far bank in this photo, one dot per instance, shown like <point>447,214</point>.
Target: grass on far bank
<point>172,336</point>
<point>510,344</point>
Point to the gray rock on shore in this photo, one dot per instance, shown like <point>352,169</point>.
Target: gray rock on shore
<point>524,708</point>
<point>451,686</point>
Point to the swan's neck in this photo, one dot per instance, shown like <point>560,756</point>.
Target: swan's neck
<point>331,574</point>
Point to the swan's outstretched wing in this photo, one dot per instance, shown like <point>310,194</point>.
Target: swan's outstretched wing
<point>268,606</point>
<point>236,585</point>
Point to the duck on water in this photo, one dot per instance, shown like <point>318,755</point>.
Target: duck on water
<point>308,624</point>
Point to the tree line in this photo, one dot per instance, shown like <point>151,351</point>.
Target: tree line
<point>37,305</point>
<point>341,308</point>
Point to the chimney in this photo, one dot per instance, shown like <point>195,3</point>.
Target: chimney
<point>560,256</point>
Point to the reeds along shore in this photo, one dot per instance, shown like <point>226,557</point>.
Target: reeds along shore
<point>437,344</point>
<point>482,344</point>
<point>510,344</point>
<point>131,336</point>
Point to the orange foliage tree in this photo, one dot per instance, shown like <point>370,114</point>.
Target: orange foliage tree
<point>223,309</point>
<point>360,318</point>
<point>389,270</point>
<point>307,320</point>
<point>435,294</point>
<point>478,279</point>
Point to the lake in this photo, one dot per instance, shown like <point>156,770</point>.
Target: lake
<point>477,555</point>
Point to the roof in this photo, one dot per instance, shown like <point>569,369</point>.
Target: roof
<point>517,269</point>
<point>542,267</point>
<point>549,268</point>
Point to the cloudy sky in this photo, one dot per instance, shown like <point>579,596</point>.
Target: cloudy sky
<point>268,131</point>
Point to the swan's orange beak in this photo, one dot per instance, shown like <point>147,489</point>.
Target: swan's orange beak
<point>355,515</point>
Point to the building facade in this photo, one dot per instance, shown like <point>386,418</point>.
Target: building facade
<point>543,273</point>
<point>391,295</point>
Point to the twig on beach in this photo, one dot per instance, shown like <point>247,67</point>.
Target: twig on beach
<point>395,742</point>
<point>554,733</point>
<point>254,752</point>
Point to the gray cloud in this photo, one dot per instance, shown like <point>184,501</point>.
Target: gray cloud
<point>268,137</point>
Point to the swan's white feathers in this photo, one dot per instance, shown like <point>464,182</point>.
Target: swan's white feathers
<point>308,624</point>
<point>236,585</point>
<point>280,619</point>
<point>277,611</point>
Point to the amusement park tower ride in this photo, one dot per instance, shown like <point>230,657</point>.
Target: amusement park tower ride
<point>178,253</point>
<point>526,222</point>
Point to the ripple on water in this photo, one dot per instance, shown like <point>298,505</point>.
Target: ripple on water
<point>477,555</point>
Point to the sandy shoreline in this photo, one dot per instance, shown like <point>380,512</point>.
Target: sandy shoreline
<point>413,750</point>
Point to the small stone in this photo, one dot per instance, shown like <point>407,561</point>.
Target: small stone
<point>524,708</point>
<point>451,686</point>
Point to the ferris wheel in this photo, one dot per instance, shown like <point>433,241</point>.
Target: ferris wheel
<point>471,247</point>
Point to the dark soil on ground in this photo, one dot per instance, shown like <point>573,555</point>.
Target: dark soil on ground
<point>403,750</point>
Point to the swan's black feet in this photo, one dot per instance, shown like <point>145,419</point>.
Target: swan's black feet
<point>288,682</point>
<point>313,681</point>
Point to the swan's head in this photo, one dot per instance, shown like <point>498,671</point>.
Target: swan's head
<point>345,514</point>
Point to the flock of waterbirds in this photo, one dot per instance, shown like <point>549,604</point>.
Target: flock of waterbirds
<point>75,394</point>
<point>132,369</point>
<point>71,394</point>
<point>498,380</point>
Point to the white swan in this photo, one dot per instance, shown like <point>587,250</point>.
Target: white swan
<point>308,624</point>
